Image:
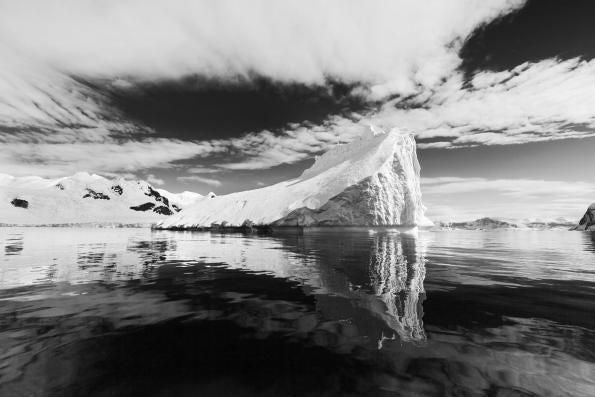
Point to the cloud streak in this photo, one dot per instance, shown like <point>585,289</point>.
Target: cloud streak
<point>462,199</point>
<point>66,153</point>
<point>293,41</point>
<point>544,101</point>
<point>199,179</point>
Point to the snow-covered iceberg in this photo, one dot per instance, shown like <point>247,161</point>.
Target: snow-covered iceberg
<point>85,199</point>
<point>587,222</point>
<point>374,180</point>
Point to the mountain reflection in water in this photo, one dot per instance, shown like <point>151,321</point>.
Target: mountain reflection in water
<point>134,311</point>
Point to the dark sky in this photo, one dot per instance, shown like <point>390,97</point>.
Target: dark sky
<point>198,108</point>
<point>542,29</point>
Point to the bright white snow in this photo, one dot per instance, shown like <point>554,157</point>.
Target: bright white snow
<point>61,201</point>
<point>371,181</point>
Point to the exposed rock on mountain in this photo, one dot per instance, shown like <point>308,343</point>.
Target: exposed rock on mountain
<point>95,195</point>
<point>117,189</point>
<point>143,207</point>
<point>20,203</point>
<point>163,210</point>
<point>371,181</point>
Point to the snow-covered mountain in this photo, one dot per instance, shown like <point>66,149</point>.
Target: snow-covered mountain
<point>587,222</point>
<point>84,198</point>
<point>371,181</point>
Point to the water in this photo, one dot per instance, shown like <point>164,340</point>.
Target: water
<point>116,312</point>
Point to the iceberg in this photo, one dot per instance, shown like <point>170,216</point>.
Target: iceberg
<point>372,181</point>
<point>587,222</point>
<point>85,199</point>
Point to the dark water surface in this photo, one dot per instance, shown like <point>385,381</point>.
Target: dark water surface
<point>119,312</point>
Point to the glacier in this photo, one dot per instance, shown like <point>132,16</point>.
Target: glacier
<point>371,181</point>
<point>86,199</point>
<point>587,222</point>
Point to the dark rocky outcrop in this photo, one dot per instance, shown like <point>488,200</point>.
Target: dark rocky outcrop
<point>587,222</point>
<point>20,203</point>
<point>157,196</point>
<point>143,207</point>
<point>59,186</point>
<point>176,208</point>
<point>117,189</point>
<point>96,195</point>
<point>162,210</point>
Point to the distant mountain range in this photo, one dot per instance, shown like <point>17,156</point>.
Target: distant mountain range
<point>504,223</point>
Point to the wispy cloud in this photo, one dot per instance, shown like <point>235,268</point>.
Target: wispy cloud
<point>152,179</point>
<point>204,170</point>
<point>199,179</point>
<point>456,199</point>
<point>548,100</point>
<point>305,41</point>
<point>56,156</point>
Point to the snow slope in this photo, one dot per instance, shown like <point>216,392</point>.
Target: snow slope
<point>587,222</point>
<point>85,198</point>
<point>371,181</point>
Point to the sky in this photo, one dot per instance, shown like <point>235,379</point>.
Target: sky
<point>233,95</point>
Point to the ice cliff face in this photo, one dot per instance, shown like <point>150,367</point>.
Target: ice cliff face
<point>371,181</point>
<point>587,222</point>
<point>85,198</point>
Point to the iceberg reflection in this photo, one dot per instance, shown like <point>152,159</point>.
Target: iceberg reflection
<point>379,279</point>
<point>397,273</point>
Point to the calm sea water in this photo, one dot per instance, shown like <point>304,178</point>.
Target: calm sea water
<point>117,312</point>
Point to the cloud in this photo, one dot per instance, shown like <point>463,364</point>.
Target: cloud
<point>154,180</point>
<point>548,100</point>
<point>460,199</point>
<point>533,102</point>
<point>203,170</point>
<point>391,46</point>
<point>53,123</point>
<point>65,153</point>
<point>267,149</point>
<point>48,55</point>
<point>509,187</point>
<point>199,179</point>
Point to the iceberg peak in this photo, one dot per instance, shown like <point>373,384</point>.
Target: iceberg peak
<point>374,180</point>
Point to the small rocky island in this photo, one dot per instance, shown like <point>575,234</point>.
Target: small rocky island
<point>587,222</point>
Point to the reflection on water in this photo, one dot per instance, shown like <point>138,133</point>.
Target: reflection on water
<point>369,312</point>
